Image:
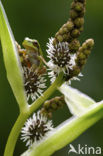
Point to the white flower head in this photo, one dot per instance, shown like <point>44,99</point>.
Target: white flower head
<point>35,129</point>
<point>60,58</point>
<point>34,84</point>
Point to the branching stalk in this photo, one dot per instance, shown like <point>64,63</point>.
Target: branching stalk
<point>23,116</point>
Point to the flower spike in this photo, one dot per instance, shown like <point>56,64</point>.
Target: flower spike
<point>64,49</point>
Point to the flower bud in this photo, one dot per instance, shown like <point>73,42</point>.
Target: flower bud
<point>82,56</point>
<point>52,105</point>
<point>79,22</point>
<point>77,6</point>
<point>74,46</point>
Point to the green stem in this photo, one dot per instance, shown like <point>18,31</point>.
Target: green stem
<point>14,134</point>
<point>23,116</point>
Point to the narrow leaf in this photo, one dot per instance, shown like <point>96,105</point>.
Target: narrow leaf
<point>67,132</point>
<point>11,59</point>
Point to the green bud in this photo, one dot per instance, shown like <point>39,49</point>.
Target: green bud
<point>59,38</point>
<point>74,45</point>
<point>69,25</point>
<point>65,30</point>
<point>81,56</point>
<point>77,6</point>
<point>61,31</point>
<point>46,104</point>
<point>83,62</point>
<point>75,33</point>
<point>87,52</point>
<point>51,105</point>
<point>79,22</point>
<point>89,43</point>
<point>73,14</point>
<point>66,37</point>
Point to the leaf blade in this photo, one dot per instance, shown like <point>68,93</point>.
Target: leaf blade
<point>67,132</point>
<point>11,59</point>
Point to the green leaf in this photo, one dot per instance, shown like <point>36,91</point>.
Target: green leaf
<point>11,59</point>
<point>67,132</point>
<point>76,101</point>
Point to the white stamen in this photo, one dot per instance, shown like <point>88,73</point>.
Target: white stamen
<point>60,53</point>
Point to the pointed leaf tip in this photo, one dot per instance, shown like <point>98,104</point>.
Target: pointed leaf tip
<point>11,59</point>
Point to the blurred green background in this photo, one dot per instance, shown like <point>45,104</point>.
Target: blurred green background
<point>40,19</point>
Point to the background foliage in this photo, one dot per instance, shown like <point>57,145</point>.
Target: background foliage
<point>40,20</point>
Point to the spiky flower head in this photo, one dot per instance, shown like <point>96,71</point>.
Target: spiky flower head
<point>60,57</point>
<point>34,83</point>
<point>33,68</point>
<point>35,129</point>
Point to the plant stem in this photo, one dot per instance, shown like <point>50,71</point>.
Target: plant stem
<point>14,134</point>
<point>23,116</point>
